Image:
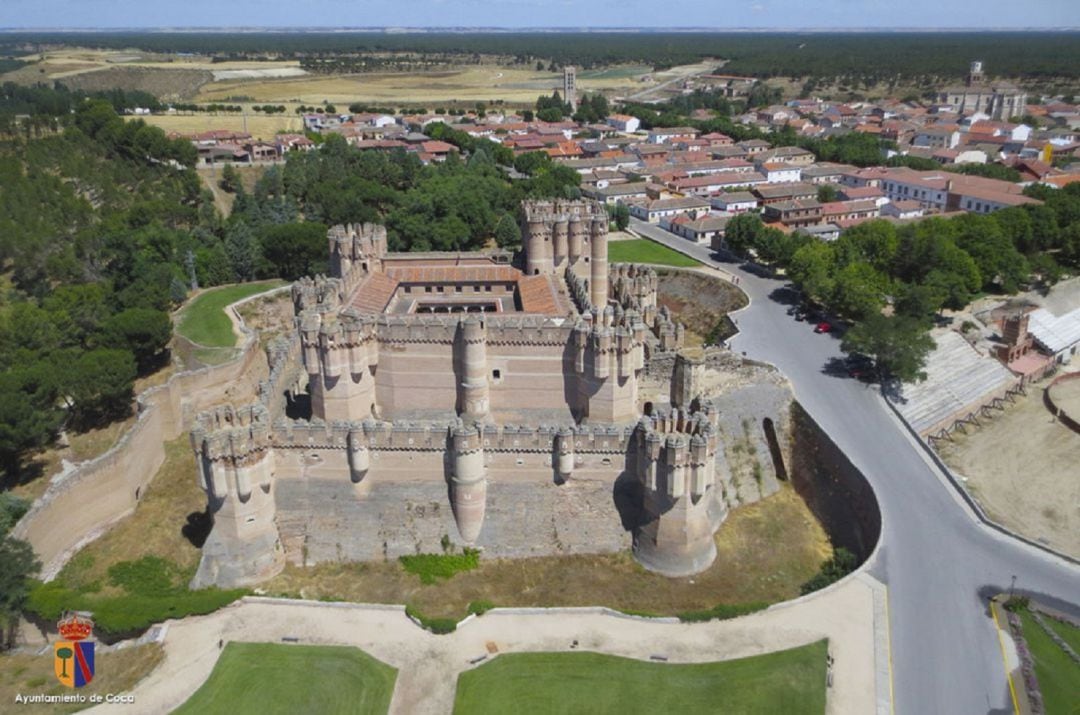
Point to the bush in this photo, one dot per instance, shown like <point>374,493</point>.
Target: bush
<point>432,567</point>
<point>438,626</point>
<point>841,564</point>
<point>11,510</point>
<point>722,612</point>
<point>480,607</point>
<point>1013,604</point>
<point>127,614</point>
<point>149,576</point>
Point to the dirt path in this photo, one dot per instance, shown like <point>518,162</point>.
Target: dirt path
<point>849,614</point>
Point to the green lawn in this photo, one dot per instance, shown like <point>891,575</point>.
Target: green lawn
<point>204,320</point>
<point>790,682</point>
<point>1058,675</point>
<point>1069,634</point>
<point>263,678</point>
<point>642,250</point>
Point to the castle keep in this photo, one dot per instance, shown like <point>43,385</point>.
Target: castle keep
<point>538,408</point>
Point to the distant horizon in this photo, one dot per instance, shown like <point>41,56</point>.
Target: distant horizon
<point>568,29</point>
<point>538,16</point>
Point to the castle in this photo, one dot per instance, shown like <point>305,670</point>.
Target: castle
<point>541,408</point>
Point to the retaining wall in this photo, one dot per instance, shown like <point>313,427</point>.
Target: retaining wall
<point>1070,421</point>
<point>82,504</point>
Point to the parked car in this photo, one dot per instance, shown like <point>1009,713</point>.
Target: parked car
<point>823,327</point>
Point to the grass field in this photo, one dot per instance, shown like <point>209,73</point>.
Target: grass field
<point>1058,675</point>
<point>642,250</point>
<point>262,678</point>
<point>790,682</point>
<point>204,320</point>
<point>116,672</point>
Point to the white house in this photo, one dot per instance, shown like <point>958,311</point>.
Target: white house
<point>776,172</point>
<point>700,230</point>
<point>735,202</point>
<point>656,209</point>
<point>624,122</point>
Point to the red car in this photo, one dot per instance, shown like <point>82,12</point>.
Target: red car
<point>823,327</point>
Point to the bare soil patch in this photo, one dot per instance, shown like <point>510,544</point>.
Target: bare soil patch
<point>701,302</point>
<point>1021,466</point>
<point>162,83</point>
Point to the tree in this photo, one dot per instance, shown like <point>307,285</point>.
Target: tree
<point>143,331</point>
<point>812,268</point>
<point>230,179</point>
<point>100,386</point>
<point>294,250</point>
<point>858,291</point>
<point>621,215</point>
<point>507,231</point>
<point>741,232</point>
<point>242,248</point>
<point>898,344</point>
<point>827,193</point>
<point>29,418</point>
<point>18,565</point>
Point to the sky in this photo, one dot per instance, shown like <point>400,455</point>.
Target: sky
<point>719,14</point>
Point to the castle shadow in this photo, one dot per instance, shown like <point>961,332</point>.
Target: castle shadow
<point>198,527</point>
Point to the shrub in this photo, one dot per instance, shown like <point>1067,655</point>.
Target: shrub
<point>432,567</point>
<point>438,626</point>
<point>480,607</point>
<point>1014,604</point>
<point>722,612</point>
<point>149,576</point>
<point>841,564</point>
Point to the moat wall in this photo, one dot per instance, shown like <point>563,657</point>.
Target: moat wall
<point>84,503</point>
<point>835,490</point>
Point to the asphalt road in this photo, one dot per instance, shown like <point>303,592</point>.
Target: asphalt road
<point>938,560</point>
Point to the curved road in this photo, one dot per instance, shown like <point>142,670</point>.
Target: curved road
<point>938,560</point>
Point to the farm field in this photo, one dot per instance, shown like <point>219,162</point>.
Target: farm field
<point>263,678</point>
<point>257,125</point>
<point>790,681</point>
<point>474,83</point>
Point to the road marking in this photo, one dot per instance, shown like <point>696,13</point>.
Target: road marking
<point>1004,658</point>
<point>888,635</point>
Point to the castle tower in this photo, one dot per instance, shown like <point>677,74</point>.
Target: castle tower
<point>474,398</point>
<point>235,464</point>
<point>537,232</point>
<point>569,86</point>
<point>560,240</point>
<point>564,449</point>
<point>468,483</point>
<point>578,230</point>
<point>598,267</point>
<point>338,356</point>
<point>680,505</point>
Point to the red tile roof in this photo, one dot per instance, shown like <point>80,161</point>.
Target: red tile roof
<point>374,294</point>
<point>538,295</point>
<point>453,274</point>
